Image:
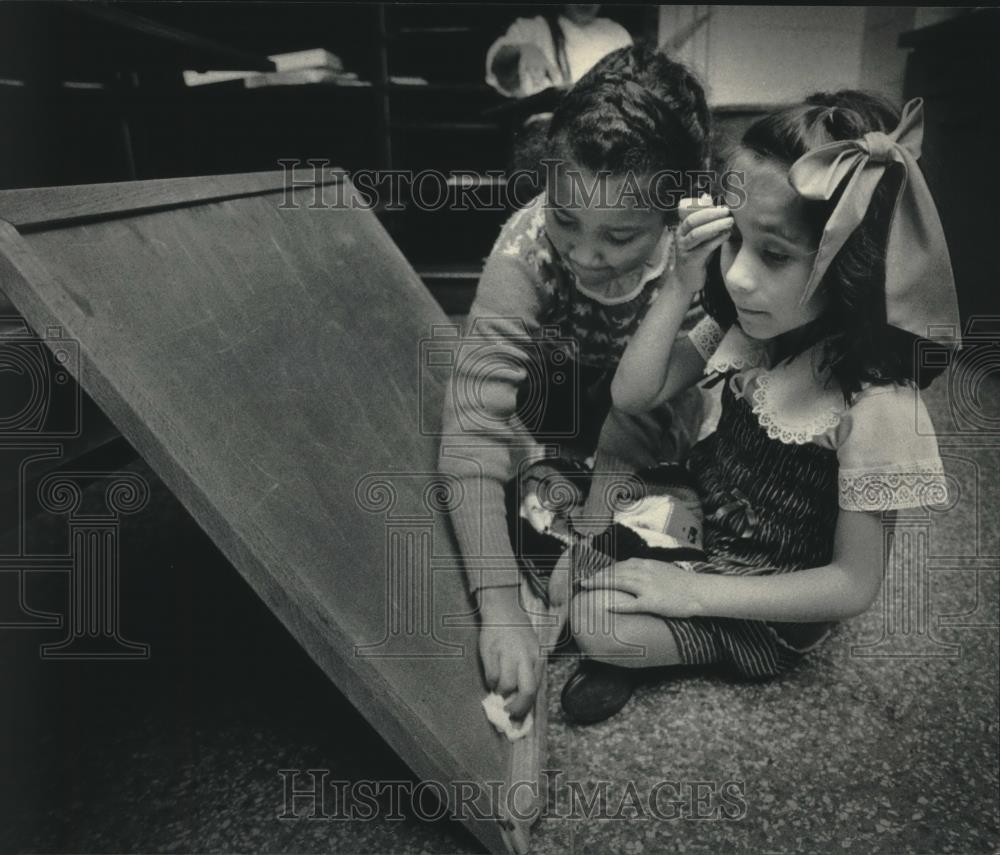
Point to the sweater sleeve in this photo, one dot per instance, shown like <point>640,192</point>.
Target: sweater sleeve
<point>480,431</point>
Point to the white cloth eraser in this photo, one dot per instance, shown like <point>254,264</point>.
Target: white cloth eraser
<point>500,718</point>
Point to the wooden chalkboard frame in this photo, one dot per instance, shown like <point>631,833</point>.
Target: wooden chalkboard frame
<point>48,300</point>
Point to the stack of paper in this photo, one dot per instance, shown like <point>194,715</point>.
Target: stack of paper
<point>316,65</point>
<point>314,58</point>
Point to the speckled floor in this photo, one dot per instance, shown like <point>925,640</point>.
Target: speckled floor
<point>181,753</point>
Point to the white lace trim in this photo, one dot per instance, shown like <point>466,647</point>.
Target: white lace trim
<point>706,336</point>
<point>790,401</point>
<point>736,352</point>
<point>650,271</point>
<point>778,426</point>
<point>917,484</point>
<point>604,300</point>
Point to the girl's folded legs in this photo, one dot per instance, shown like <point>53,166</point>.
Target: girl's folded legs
<point>627,640</point>
<point>615,648</point>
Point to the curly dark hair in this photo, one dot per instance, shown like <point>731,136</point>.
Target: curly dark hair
<point>635,110</point>
<point>860,347</point>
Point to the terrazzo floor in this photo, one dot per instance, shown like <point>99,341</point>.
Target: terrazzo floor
<point>859,751</point>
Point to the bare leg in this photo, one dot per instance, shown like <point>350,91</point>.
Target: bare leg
<point>627,640</point>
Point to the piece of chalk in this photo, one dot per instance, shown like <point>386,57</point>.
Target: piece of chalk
<point>493,705</point>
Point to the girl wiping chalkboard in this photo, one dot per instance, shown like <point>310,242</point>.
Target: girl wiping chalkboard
<point>564,288</point>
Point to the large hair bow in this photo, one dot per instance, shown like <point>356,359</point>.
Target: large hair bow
<point>919,284</point>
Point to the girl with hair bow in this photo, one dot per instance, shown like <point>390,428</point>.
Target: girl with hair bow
<point>818,287</point>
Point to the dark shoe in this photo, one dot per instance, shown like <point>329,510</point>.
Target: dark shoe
<point>596,691</point>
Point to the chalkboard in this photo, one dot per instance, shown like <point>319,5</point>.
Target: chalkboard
<point>261,349</point>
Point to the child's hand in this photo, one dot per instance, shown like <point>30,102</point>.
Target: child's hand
<point>509,650</point>
<point>704,227</point>
<point>658,587</point>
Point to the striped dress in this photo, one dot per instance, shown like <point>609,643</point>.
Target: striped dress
<point>766,507</point>
<point>769,507</point>
<point>788,454</point>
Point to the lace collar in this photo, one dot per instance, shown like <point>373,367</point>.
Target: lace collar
<point>653,268</point>
<point>795,401</point>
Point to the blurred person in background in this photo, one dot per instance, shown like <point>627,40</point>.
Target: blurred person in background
<point>551,50</point>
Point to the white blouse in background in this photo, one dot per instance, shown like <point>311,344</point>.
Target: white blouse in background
<point>584,46</point>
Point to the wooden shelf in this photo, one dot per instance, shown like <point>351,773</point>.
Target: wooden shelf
<point>443,130</point>
<point>429,31</point>
<point>457,182</point>
<point>466,127</point>
<point>97,41</point>
<point>475,88</point>
<point>452,285</point>
<point>450,271</point>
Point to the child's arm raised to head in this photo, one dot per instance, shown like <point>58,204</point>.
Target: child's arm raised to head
<point>656,364</point>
